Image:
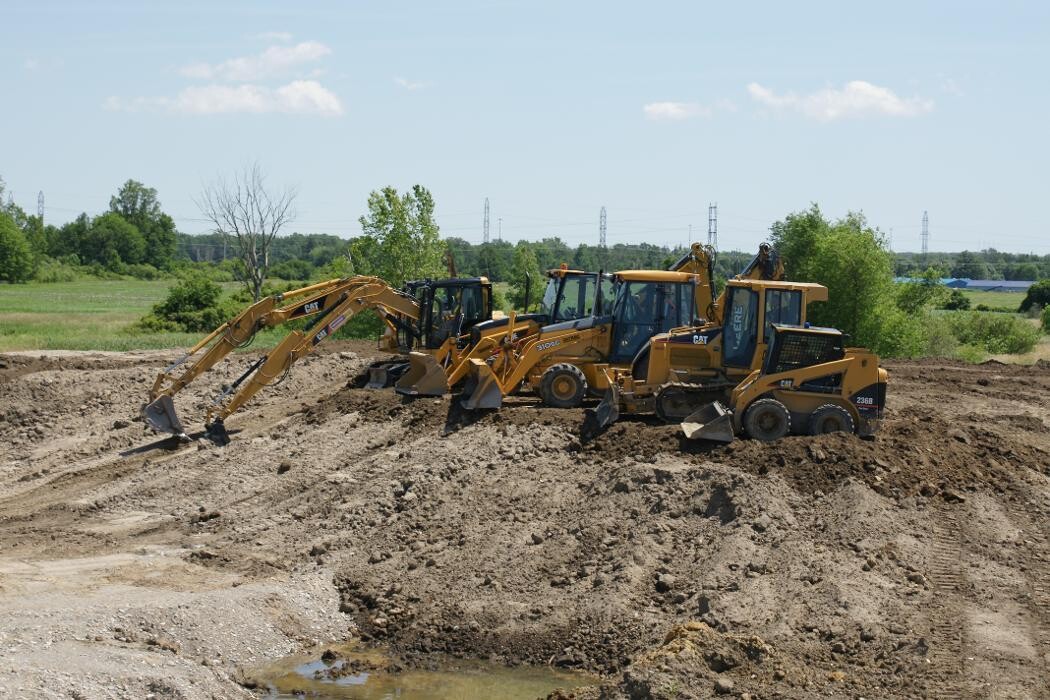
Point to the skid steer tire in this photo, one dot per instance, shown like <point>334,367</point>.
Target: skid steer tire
<point>563,386</point>
<point>830,418</point>
<point>767,420</point>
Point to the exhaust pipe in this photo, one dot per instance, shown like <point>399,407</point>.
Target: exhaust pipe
<point>711,422</point>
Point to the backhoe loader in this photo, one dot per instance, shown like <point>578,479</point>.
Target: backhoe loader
<point>563,361</point>
<point>333,302</point>
<point>569,295</point>
<point>809,383</point>
<point>679,371</point>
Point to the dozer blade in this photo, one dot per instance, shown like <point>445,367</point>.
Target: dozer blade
<point>711,422</point>
<point>160,415</point>
<point>482,389</point>
<point>425,377</point>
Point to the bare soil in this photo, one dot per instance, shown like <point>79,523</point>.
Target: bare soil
<point>916,564</point>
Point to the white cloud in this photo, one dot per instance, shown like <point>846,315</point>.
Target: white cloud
<point>297,97</point>
<point>31,64</point>
<point>274,61</point>
<point>274,36</point>
<point>675,111</point>
<point>409,84</point>
<point>856,98</point>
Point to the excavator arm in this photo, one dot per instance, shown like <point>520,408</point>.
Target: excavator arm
<point>376,295</point>
<point>314,299</point>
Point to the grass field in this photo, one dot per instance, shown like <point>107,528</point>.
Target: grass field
<point>84,315</point>
<point>995,300</point>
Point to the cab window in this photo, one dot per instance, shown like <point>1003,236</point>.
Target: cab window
<point>784,307</point>
<point>740,327</point>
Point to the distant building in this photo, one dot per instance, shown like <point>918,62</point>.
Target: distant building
<point>977,285</point>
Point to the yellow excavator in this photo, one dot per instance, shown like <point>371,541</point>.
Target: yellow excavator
<point>809,383</point>
<point>463,302</point>
<point>569,295</point>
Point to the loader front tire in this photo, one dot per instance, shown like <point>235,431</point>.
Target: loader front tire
<point>830,418</point>
<point>767,420</point>
<point>563,386</point>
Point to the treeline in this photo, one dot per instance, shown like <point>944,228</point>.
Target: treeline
<point>988,264</point>
<point>133,237</point>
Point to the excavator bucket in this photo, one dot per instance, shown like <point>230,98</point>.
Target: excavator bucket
<point>482,389</point>
<point>711,422</point>
<point>425,377</point>
<point>160,415</point>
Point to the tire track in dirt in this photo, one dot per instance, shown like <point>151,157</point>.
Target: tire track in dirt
<point>947,624</point>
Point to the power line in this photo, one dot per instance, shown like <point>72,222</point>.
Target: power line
<point>925,234</point>
<point>712,225</point>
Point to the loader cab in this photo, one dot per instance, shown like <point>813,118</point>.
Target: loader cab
<point>752,308</point>
<point>648,303</point>
<point>574,294</point>
<point>450,308</point>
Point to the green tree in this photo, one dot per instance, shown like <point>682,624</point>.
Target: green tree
<point>139,205</point>
<point>1038,295</point>
<point>969,266</point>
<point>112,240</point>
<point>957,301</point>
<point>923,294</point>
<point>401,239</point>
<point>16,256</point>
<point>525,263</point>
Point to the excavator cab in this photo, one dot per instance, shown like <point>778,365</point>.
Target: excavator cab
<point>645,307</point>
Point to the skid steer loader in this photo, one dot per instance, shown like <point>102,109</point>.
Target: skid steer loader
<point>678,371</point>
<point>810,383</point>
<point>569,295</point>
<point>333,302</point>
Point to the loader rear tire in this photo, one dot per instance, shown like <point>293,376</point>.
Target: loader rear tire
<point>830,418</point>
<point>563,386</point>
<point>767,420</point>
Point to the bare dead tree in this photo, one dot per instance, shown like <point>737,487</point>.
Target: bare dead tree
<point>243,209</point>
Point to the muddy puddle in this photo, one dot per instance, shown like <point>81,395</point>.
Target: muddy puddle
<point>359,673</point>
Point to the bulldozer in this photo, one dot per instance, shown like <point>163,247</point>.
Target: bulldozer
<point>332,303</point>
<point>809,383</point>
<point>569,295</point>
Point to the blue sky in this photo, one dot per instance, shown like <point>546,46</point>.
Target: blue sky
<point>551,110</point>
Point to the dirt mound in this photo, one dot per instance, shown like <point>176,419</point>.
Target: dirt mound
<point>909,564</point>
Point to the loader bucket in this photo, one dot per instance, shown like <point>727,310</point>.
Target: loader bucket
<point>378,377</point>
<point>711,422</point>
<point>608,411</point>
<point>425,377</point>
<point>159,414</point>
<point>482,389</point>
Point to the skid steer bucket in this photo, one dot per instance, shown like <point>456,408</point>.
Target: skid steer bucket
<point>482,389</point>
<point>425,377</point>
<point>711,422</point>
<point>159,414</point>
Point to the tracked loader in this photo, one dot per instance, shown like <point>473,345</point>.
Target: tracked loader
<point>332,303</point>
<point>809,383</point>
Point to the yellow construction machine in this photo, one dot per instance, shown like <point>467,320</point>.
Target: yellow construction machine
<point>809,383</point>
<point>563,361</point>
<point>569,295</point>
<point>676,372</point>
<point>450,308</point>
